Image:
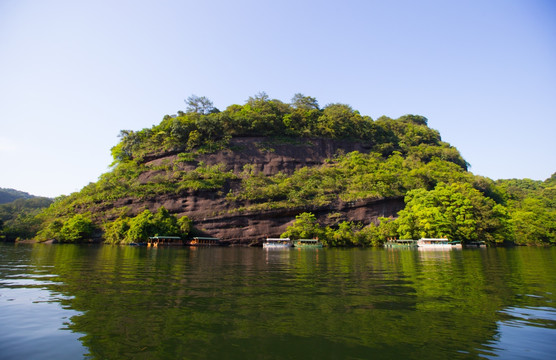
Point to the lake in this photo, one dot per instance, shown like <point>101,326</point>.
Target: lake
<point>118,302</point>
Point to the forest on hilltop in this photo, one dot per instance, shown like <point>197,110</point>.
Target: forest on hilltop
<point>402,158</point>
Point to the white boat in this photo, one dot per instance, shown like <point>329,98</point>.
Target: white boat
<point>437,244</point>
<point>277,243</point>
<point>401,243</point>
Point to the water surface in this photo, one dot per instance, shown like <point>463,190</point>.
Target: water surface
<point>112,302</point>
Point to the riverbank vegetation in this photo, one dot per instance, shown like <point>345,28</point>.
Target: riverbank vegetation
<point>456,211</point>
<point>403,157</point>
<point>125,230</point>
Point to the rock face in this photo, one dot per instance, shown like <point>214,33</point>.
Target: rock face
<point>256,226</point>
<point>271,156</point>
<point>215,216</point>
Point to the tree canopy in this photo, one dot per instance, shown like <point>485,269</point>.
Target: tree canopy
<point>204,128</point>
<point>457,211</point>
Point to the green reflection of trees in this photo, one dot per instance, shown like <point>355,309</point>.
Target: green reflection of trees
<point>145,303</point>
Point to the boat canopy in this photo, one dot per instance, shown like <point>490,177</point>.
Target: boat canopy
<point>164,237</point>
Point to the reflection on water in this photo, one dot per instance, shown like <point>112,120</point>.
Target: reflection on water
<point>34,318</point>
<point>524,332</point>
<point>104,302</point>
<point>277,256</point>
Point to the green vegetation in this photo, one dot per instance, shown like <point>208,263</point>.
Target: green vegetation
<point>345,233</point>
<point>204,128</point>
<point>403,158</point>
<point>349,177</point>
<point>526,216</point>
<point>456,211</point>
<point>125,230</point>
<point>18,219</point>
<point>532,207</point>
<point>77,228</point>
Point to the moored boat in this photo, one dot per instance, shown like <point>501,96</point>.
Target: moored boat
<point>437,244</point>
<point>206,241</point>
<point>308,243</point>
<point>277,243</point>
<point>401,243</point>
<point>475,244</point>
<point>164,241</point>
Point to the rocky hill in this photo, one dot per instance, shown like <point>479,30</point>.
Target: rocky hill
<point>214,215</point>
<point>245,173</point>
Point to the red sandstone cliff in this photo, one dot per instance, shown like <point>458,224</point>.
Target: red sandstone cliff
<point>216,216</point>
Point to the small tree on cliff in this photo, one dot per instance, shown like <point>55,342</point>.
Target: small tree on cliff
<point>305,226</point>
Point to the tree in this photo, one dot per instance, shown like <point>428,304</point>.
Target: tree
<point>129,143</point>
<point>185,225</point>
<point>344,235</point>
<point>415,119</point>
<point>534,223</point>
<point>336,121</point>
<point>164,223</point>
<point>300,101</point>
<point>144,225</point>
<point>140,227</point>
<point>195,139</point>
<point>260,98</point>
<point>457,211</point>
<point>200,105</point>
<point>116,232</point>
<point>305,226</point>
<point>210,126</point>
<point>79,227</point>
<point>50,231</point>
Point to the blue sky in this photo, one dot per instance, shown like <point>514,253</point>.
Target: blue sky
<point>74,73</point>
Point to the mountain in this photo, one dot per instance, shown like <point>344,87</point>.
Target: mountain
<point>267,167</point>
<point>9,195</point>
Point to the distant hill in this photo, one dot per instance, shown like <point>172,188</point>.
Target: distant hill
<point>18,218</point>
<point>9,195</point>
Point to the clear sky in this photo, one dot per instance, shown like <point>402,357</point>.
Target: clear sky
<point>74,73</point>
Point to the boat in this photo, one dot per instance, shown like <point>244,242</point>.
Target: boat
<point>277,243</point>
<point>164,240</point>
<point>308,243</point>
<point>437,244</point>
<point>475,244</point>
<point>401,243</point>
<point>206,241</point>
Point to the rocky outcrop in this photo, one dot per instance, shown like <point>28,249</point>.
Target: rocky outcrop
<point>216,216</point>
<point>253,227</point>
<point>271,156</point>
